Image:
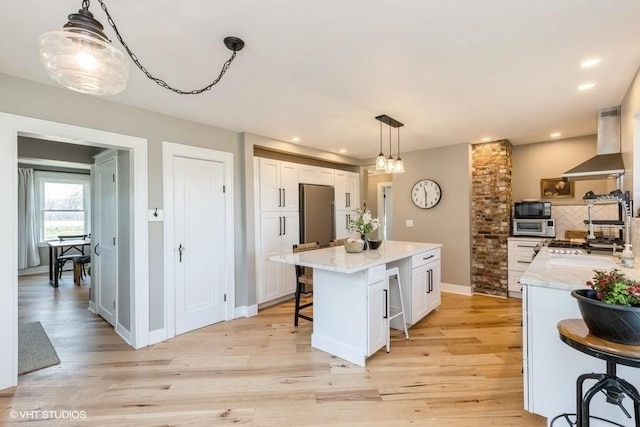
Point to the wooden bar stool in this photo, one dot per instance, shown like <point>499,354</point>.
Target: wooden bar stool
<point>304,283</point>
<point>393,274</point>
<point>575,334</point>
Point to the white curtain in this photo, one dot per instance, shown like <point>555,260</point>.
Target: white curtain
<point>28,255</point>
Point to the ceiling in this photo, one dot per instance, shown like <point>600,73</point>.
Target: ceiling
<point>452,71</point>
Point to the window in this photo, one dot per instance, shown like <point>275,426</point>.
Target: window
<point>64,204</point>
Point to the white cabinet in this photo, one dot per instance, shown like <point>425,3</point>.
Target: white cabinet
<point>278,233</point>
<point>520,253</point>
<point>347,190</point>
<point>343,218</point>
<point>278,226</point>
<point>316,175</point>
<point>420,276</point>
<point>378,318</point>
<point>278,185</point>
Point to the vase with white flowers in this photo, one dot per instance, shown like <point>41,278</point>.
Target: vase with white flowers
<point>364,223</point>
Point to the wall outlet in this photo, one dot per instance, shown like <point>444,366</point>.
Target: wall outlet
<point>409,223</point>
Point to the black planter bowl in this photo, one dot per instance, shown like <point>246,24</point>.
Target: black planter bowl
<point>374,244</point>
<point>610,322</point>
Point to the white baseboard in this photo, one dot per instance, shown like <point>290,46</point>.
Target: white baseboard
<point>157,336</point>
<point>455,289</point>
<point>92,307</point>
<point>246,311</point>
<point>41,269</point>
<point>124,334</point>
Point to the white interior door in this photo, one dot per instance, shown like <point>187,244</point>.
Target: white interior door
<point>103,240</point>
<point>199,239</point>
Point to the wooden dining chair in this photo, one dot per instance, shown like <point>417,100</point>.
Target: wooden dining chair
<point>336,242</point>
<point>304,282</point>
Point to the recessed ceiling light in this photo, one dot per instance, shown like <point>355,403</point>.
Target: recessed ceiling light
<point>586,86</point>
<point>342,151</point>
<point>295,139</point>
<point>486,139</point>
<point>555,135</point>
<point>591,62</point>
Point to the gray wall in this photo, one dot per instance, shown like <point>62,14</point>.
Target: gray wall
<point>25,98</point>
<point>447,223</point>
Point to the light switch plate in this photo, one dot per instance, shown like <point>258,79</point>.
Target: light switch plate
<point>156,214</point>
<point>409,223</point>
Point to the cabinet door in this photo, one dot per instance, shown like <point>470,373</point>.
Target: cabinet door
<point>326,176</point>
<point>342,224</point>
<point>271,244</point>
<point>270,192</point>
<point>433,285</point>
<point>378,322</point>
<point>290,236</point>
<point>289,185</point>
<point>419,288</point>
<point>353,190</point>
<point>340,188</point>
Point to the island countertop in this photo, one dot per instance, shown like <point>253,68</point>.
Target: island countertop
<point>570,272</point>
<point>337,259</point>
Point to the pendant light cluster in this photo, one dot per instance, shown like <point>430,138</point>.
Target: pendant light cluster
<point>81,57</point>
<point>389,164</point>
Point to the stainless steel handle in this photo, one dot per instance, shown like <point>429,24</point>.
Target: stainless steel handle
<point>279,197</point>
<point>526,246</point>
<point>95,249</point>
<point>180,250</point>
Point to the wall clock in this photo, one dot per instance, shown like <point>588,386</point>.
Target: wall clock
<point>426,194</point>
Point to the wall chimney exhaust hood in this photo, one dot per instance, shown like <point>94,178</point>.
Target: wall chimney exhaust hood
<point>608,162</point>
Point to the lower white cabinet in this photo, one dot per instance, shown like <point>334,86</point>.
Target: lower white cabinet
<point>279,231</point>
<point>420,294</point>
<point>342,220</point>
<point>520,253</point>
<point>378,318</point>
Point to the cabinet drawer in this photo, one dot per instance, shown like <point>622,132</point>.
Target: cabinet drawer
<point>376,274</point>
<point>523,245</point>
<point>520,261</point>
<point>514,281</point>
<point>425,257</point>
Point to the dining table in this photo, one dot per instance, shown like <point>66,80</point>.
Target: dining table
<point>56,249</point>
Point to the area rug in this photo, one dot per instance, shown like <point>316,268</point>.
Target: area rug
<point>34,348</point>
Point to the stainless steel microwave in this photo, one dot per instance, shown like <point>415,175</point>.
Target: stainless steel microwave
<point>532,210</point>
<point>534,227</point>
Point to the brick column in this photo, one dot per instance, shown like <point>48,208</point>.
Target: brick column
<point>491,199</point>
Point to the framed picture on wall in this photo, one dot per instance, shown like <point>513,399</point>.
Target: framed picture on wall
<point>555,188</point>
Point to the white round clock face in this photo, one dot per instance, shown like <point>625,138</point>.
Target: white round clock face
<point>426,194</point>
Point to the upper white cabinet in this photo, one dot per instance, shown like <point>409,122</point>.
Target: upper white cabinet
<point>347,190</point>
<point>278,182</point>
<point>316,175</point>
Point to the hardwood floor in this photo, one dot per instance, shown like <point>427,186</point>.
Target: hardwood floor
<point>461,367</point>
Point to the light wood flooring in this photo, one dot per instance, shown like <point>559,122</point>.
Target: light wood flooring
<point>461,367</point>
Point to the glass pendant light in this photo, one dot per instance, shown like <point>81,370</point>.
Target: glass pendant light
<point>391,164</point>
<point>399,162</point>
<point>80,56</point>
<point>381,161</point>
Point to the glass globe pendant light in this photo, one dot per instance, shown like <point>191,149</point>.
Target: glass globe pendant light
<point>381,161</point>
<point>80,56</point>
<point>391,164</point>
<point>399,162</point>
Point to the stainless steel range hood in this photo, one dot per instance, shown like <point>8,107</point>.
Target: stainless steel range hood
<point>608,162</point>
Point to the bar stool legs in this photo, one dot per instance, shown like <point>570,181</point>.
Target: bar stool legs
<point>394,273</point>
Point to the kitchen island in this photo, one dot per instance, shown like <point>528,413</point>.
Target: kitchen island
<point>551,367</point>
<point>351,300</point>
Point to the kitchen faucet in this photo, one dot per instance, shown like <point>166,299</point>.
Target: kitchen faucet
<point>591,199</point>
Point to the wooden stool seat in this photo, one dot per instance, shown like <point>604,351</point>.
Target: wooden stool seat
<point>574,333</point>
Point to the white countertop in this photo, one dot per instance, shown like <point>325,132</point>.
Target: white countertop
<point>571,271</point>
<point>337,259</point>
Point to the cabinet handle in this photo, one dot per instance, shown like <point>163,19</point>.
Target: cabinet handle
<point>430,287</point>
<point>525,246</point>
<point>180,250</point>
<point>347,221</point>
<point>523,262</point>
<point>279,197</point>
<point>429,257</point>
<point>348,200</point>
<point>284,197</point>
<point>95,249</point>
<point>279,226</point>
<point>284,225</point>
<point>386,304</point>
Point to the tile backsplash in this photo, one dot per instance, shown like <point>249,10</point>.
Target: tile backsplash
<point>572,217</point>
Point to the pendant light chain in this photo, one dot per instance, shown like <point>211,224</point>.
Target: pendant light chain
<point>160,82</point>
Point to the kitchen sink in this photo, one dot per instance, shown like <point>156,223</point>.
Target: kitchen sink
<point>583,261</point>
